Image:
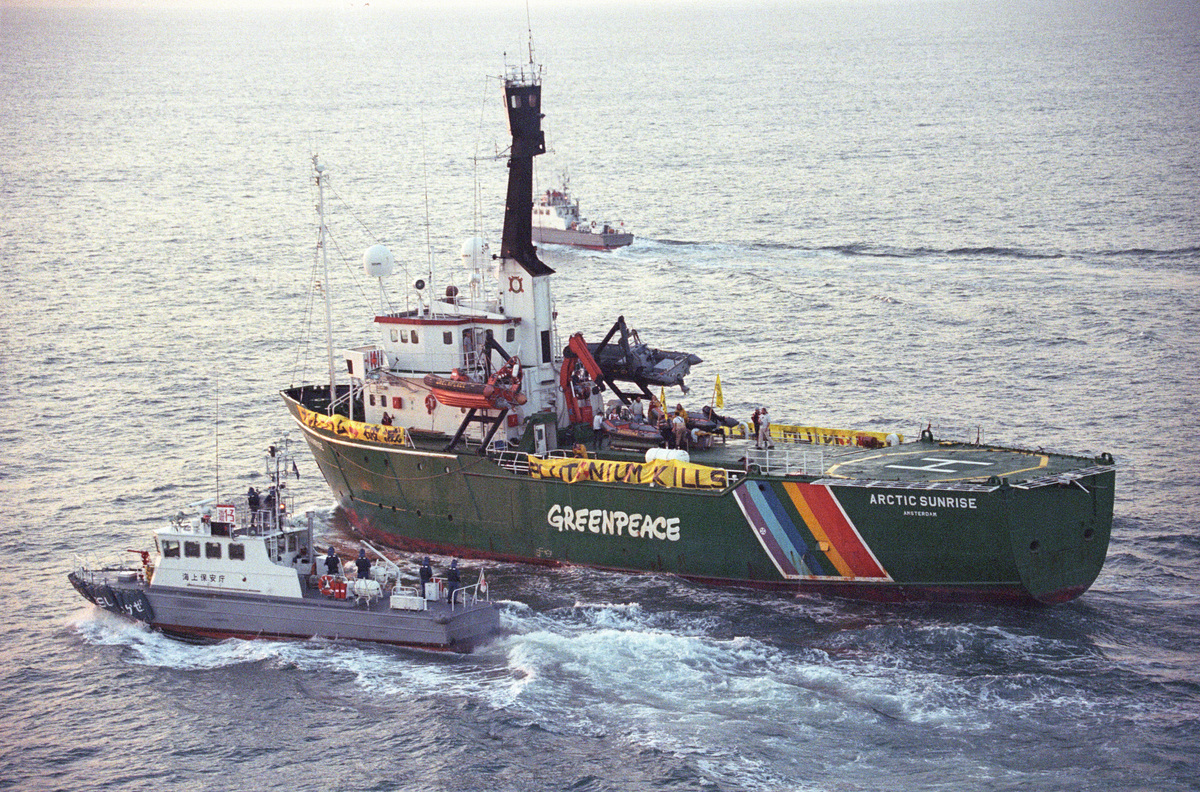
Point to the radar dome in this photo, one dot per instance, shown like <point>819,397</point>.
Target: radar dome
<point>378,261</point>
<point>474,252</point>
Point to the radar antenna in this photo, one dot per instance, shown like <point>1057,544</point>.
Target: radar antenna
<point>529,26</point>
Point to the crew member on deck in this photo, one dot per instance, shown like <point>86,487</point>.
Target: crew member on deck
<point>452,580</point>
<point>679,428</point>
<point>253,501</point>
<point>597,430</point>
<point>764,431</point>
<point>426,576</point>
<point>655,416</point>
<point>386,420</point>
<point>364,565</point>
<point>332,562</point>
<point>269,504</point>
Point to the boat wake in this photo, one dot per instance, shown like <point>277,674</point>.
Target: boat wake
<point>678,671</point>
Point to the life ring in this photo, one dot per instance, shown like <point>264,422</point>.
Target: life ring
<point>325,585</point>
<point>430,403</point>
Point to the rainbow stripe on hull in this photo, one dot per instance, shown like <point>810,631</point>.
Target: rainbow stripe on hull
<point>806,533</point>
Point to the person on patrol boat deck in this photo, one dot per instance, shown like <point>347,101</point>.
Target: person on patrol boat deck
<point>364,565</point>
<point>426,576</point>
<point>332,562</point>
<point>254,502</point>
<point>452,580</point>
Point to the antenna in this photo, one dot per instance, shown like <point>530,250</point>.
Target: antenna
<point>322,178</point>
<point>529,25</point>
<point>217,434</point>
<point>428,233</point>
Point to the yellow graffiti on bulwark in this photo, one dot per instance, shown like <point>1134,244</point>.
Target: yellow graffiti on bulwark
<point>659,473</point>
<point>356,430</point>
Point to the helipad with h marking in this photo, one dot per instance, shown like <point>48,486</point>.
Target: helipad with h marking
<point>943,463</point>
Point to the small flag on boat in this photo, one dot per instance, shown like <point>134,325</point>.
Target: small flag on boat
<point>482,584</point>
<point>718,396</point>
<point>295,469</point>
<point>662,395</point>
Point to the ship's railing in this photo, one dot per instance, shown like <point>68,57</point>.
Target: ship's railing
<point>516,461</point>
<point>956,431</point>
<point>469,595</point>
<point>936,486</point>
<point>789,459</point>
<point>1069,478</point>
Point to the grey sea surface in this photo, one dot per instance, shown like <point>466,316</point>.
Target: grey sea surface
<point>861,214</point>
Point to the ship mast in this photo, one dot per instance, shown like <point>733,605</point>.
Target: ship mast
<point>322,177</point>
<point>523,100</point>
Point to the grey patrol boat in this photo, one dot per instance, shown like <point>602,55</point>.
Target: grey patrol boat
<point>244,569</point>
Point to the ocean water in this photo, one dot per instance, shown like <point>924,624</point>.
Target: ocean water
<point>869,214</point>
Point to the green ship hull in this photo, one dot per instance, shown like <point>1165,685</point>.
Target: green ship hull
<point>913,521</point>
<point>458,432</point>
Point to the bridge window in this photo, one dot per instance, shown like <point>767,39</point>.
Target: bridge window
<point>212,549</point>
<point>510,335</point>
<point>191,549</point>
<point>395,335</point>
<point>447,338</point>
<point>237,552</point>
<point>170,548</point>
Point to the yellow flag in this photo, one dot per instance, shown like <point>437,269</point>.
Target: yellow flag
<point>718,396</point>
<point>662,396</point>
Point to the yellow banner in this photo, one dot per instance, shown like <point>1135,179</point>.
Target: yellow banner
<point>824,436</point>
<point>357,430</point>
<point>659,473</point>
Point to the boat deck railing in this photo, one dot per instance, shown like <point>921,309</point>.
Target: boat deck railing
<point>795,458</point>
<point>466,596</point>
<point>956,431</point>
<point>937,486</point>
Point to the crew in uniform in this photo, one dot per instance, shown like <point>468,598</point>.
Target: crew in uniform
<point>426,576</point>
<point>452,580</point>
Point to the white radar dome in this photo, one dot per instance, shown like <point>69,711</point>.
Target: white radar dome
<point>378,261</point>
<point>474,252</point>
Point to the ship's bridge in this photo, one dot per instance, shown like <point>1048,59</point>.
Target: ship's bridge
<point>437,343</point>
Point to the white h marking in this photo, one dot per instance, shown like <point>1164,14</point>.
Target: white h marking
<point>939,463</point>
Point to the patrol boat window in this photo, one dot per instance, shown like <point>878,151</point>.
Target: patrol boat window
<point>170,548</point>
<point>212,549</point>
<point>191,549</point>
<point>237,552</point>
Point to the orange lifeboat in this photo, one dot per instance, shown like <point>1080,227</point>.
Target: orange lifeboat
<point>502,391</point>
